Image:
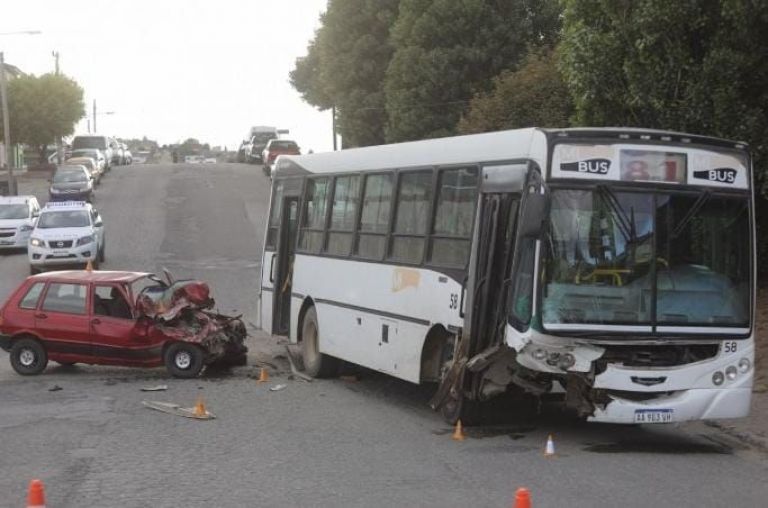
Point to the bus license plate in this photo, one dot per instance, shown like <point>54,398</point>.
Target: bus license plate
<point>654,415</point>
<point>7,242</point>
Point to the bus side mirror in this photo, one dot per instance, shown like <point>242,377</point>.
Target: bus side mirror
<point>534,213</point>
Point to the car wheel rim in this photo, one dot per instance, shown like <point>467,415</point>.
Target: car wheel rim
<point>183,360</point>
<point>27,357</point>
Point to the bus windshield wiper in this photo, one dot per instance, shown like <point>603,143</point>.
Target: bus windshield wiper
<point>692,211</point>
<point>626,225</point>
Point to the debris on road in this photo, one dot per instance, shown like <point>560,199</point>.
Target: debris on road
<point>55,388</point>
<point>277,388</point>
<point>157,388</point>
<point>175,409</point>
<point>349,379</point>
<point>296,372</point>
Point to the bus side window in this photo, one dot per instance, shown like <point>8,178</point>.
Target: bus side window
<point>313,218</point>
<point>346,196</point>
<point>414,197</point>
<point>274,216</point>
<point>453,218</point>
<point>374,219</point>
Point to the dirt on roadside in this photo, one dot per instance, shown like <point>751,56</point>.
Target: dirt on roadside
<point>761,342</point>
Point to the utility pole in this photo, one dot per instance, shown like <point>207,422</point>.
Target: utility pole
<point>59,143</point>
<point>94,117</point>
<point>56,58</point>
<point>6,126</point>
<point>333,125</point>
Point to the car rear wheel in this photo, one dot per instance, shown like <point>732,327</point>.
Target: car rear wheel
<point>184,360</point>
<point>28,357</point>
<point>316,364</point>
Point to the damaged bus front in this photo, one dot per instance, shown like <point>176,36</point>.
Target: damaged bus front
<point>621,275</point>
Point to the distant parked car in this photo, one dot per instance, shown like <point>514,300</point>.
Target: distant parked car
<point>117,152</point>
<point>90,164</point>
<point>92,153</point>
<point>139,159</point>
<point>261,137</point>
<point>277,147</point>
<point>71,183</point>
<point>210,160</point>
<point>103,143</point>
<point>128,156</point>
<point>18,215</point>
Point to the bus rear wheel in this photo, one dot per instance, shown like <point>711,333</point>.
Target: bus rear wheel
<point>316,364</point>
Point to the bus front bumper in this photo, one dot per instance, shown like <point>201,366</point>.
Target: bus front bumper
<point>732,401</point>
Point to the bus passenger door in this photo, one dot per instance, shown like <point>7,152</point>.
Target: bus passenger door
<point>283,266</point>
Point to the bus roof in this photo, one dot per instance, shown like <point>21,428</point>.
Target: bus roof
<point>491,146</point>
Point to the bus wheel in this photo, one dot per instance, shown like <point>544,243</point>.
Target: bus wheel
<point>316,364</point>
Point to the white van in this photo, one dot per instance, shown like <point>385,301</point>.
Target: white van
<point>103,143</point>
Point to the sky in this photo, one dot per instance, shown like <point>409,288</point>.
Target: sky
<point>174,69</point>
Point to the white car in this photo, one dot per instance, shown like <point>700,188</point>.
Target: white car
<point>67,233</point>
<point>18,215</point>
<point>93,153</point>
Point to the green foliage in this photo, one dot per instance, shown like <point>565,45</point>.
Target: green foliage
<point>449,50</point>
<point>534,95</point>
<point>43,108</point>
<point>345,65</point>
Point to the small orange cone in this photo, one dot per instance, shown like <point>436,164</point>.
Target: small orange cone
<point>458,433</point>
<point>549,450</point>
<point>89,266</point>
<point>200,410</point>
<point>263,375</point>
<point>36,496</point>
<point>522,498</point>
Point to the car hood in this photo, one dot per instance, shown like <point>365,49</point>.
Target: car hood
<point>166,303</point>
<point>14,223</point>
<point>61,233</point>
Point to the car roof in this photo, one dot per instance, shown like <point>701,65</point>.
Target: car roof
<point>70,167</point>
<point>73,160</point>
<point>16,200</point>
<point>66,205</point>
<point>90,276</point>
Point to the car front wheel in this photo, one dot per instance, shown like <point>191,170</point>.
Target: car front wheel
<point>28,357</point>
<point>184,360</point>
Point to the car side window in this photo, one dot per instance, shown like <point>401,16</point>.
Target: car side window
<point>109,301</point>
<point>32,297</point>
<point>66,298</point>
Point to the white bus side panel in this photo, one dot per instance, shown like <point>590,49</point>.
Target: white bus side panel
<point>356,300</point>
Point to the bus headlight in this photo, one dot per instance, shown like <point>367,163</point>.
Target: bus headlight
<point>718,378</point>
<point>731,372</point>
<point>566,361</point>
<point>539,354</point>
<point>744,365</point>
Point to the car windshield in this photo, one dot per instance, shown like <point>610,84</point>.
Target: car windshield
<point>149,281</point>
<point>69,177</point>
<point>263,137</point>
<point>14,211</point>
<point>64,219</point>
<point>89,142</point>
<point>631,258</point>
<point>85,153</point>
<point>80,162</point>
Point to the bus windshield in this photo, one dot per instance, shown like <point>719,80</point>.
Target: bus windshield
<point>647,258</point>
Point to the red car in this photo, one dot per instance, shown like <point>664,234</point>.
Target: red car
<point>117,318</point>
<point>277,147</point>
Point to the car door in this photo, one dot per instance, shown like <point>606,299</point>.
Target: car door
<point>62,320</point>
<point>114,336</point>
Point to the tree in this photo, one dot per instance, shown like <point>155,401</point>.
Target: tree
<point>692,66</point>
<point>345,65</point>
<point>534,95</point>
<point>446,51</point>
<point>42,109</point>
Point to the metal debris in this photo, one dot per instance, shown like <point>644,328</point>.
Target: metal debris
<point>277,388</point>
<point>157,388</point>
<point>55,388</point>
<point>296,372</point>
<point>176,410</point>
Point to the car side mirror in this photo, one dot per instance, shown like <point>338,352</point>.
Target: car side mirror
<point>98,223</point>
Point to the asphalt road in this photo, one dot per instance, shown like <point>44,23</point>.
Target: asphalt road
<point>370,442</point>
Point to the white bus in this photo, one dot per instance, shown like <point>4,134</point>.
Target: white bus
<point>613,266</point>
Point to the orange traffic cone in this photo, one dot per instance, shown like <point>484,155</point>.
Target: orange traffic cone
<point>200,410</point>
<point>89,266</point>
<point>522,498</point>
<point>458,433</point>
<point>36,496</point>
<point>549,449</point>
<point>263,375</point>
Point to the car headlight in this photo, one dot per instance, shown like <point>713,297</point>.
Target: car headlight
<point>26,228</point>
<point>36,242</point>
<point>85,240</point>
<point>744,364</point>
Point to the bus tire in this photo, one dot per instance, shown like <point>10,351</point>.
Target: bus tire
<point>316,364</point>
<point>458,407</point>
